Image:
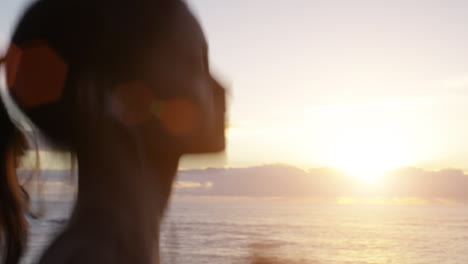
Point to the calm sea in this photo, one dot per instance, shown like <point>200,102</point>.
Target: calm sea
<point>234,231</point>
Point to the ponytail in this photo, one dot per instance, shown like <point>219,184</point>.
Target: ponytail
<point>13,226</point>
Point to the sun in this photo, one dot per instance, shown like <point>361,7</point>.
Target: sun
<point>368,154</point>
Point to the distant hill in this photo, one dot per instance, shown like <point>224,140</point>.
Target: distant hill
<point>287,181</point>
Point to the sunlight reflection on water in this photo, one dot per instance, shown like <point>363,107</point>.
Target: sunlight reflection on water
<point>220,232</point>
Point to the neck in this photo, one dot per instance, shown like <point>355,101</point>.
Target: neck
<point>123,197</point>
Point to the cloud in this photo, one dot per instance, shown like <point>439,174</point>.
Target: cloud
<point>266,181</point>
<point>447,183</point>
<point>192,185</point>
<point>410,186</point>
<point>186,185</point>
<point>402,186</point>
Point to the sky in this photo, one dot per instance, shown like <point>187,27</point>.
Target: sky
<point>364,86</point>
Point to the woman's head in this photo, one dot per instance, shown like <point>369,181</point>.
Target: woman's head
<point>92,73</point>
<point>82,68</point>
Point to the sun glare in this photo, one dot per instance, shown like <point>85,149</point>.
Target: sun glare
<point>368,155</point>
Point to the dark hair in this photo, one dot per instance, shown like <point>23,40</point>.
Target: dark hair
<point>13,227</point>
<point>100,40</point>
<point>93,40</point>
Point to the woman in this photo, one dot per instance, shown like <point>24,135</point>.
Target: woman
<point>125,85</point>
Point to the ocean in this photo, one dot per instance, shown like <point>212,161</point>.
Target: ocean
<point>237,230</point>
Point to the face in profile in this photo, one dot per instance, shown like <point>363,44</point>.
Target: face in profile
<point>178,93</point>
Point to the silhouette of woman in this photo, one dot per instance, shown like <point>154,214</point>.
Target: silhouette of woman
<point>126,86</point>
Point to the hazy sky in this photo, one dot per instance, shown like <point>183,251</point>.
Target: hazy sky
<point>363,86</point>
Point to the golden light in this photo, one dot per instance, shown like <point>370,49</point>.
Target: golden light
<point>368,154</point>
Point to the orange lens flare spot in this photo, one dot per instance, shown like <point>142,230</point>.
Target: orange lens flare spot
<point>179,116</point>
<point>132,103</point>
<point>40,75</point>
<point>12,60</point>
